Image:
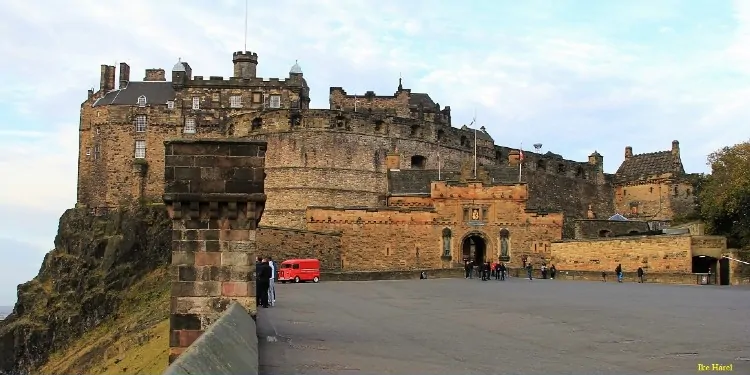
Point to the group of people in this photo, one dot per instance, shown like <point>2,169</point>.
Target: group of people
<point>618,273</point>
<point>498,270</point>
<point>265,275</point>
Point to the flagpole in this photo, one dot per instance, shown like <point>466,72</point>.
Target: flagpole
<point>438,161</point>
<point>520,163</point>
<point>475,152</point>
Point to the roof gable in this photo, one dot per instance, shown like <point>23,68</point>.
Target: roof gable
<point>642,166</point>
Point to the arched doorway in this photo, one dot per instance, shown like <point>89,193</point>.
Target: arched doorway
<point>474,248</point>
<point>704,264</point>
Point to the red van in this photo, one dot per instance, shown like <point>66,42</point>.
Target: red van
<point>299,270</point>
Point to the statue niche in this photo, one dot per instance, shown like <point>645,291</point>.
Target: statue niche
<point>446,242</point>
<point>504,245</point>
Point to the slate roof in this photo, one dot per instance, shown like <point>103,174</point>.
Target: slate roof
<point>156,92</point>
<point>651,164</point>
<point>417,181</point>
<point>417,98</point>
<point>617,217</point>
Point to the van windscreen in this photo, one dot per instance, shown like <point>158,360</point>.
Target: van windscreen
<point>287,265</point>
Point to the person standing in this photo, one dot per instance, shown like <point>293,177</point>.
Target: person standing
<point>497,270</point>
<point>271,289</point>
<point>618,271</point>
<point>258,264</point>
<point>502,271</point>
<point>640,275</point>
<point>467,269</point>
<point>552,272</point>
<point>529,270</point>
<point>544,271</point>
<point>263,281</point>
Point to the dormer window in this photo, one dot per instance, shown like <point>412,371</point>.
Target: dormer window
<point>275,101</point>
<point>235,101</point>
<point>170,104</point>
<point>196,103</point>
<point>142,101</point>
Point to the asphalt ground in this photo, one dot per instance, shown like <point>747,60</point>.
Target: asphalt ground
<point>458,326</point>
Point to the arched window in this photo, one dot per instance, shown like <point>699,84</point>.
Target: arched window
<point>447,242</point>
<point>580,173</point>
<point>440,135</point>
<point>504,244</point>
<point>257,123</point>
<point>605,233</point>
<point>416,131</point>
<point>418,162</point>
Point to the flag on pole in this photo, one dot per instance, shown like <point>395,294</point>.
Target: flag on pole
<point>520,161</point>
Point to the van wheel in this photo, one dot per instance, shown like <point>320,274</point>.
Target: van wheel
<point>316,279</point>
<point>296,279</point>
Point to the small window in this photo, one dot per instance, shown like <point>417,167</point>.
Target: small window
<point>196,103</point>
<point>189,126</point>
<point>418,162</point>
<point>295,266</point>
<point>97,131</point>
<point>235,101</point>
<point>88,151</point>
<point>97,152</point>
<point>142,101</point>
<point>140,149</point>
<point>140,123</point>
<point>170,104</point>
<point>257,97</point>
<point>275,101</point>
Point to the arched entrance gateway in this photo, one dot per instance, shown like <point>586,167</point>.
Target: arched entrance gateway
<point>474,248</point>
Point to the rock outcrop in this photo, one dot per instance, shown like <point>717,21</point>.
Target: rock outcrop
<point>82,281</point>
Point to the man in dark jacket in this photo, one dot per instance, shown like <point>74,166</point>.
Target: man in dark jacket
<point>263,281</point>
<point>258,263</point>
<point>640,274</point>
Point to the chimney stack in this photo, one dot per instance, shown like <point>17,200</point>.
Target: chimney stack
<point>124,75</point>
<point>107,78</point>
<point>676,148</point>
<point>628,152</point>
<point>155,75</point>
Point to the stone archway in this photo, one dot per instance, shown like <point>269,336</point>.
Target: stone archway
<point>474,247</point>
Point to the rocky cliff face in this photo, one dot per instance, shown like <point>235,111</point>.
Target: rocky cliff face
<point>82,281</point>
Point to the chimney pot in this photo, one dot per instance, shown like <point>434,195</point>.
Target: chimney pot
<point>628,152</point>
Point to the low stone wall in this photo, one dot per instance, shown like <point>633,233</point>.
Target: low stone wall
<point>288,243</point>
<point>228,347</point>
<point>440,273</point>
<point>661,277</point>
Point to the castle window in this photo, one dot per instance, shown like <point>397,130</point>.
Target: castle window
<point>541,164</point>
<point>196,103</point>
<point>257,97</point>
<point>140,149</point>
<point>97,152</point>
<point>88,151</point>
<point>651,189</point>
<point>447,242</point>
<point>499,155</point>
<point>170,104</point>
<point>189,126</point>
<point>440,135</point>
<point>97,131</point>
<point>676,191</point>
<point>561,168</point>
<point>257,123</point>
<point>418,162</point>
<point>379,125</point>
<point>140,124</point>
<point>142,101</point>
<point>275,101</point>
<point>605,233</point>
<point>235,101</point>
<point>464,141</point>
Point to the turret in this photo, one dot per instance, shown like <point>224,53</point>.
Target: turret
<point>245,64</point>
<point>597,159</point>
<point>181,73</point>
<point>676,148</point>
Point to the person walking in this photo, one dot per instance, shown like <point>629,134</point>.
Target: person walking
<point>529,270</point>
<point>271,288</point>
<point>264,281</point>
<point>497,270</point>
<point>618,271</point>
<point>502,271</point>
<point>640,275</point>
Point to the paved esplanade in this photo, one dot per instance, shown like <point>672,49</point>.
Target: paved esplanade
<point>457,326</point>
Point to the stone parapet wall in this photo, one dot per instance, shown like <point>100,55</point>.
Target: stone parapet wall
<point>214,195</point>
<point>286,243</point>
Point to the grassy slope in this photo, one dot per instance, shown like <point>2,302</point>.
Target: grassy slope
<point>134,341</point>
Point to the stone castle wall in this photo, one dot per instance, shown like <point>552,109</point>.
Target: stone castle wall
<point>285,243</point>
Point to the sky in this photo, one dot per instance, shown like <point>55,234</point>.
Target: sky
<point>575,76</point>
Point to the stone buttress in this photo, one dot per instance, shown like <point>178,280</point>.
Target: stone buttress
<point>214,193</point>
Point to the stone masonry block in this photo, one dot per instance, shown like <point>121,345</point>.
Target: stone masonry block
<point>183,338</point>
<point>194,246</point>
<point>236,259</point>
<point>243,150</point>
<point>208,259</point>
<point>177,235</point>
<point>183,258</point>
<point>210,235</point>
<point>187,173</point>
<point>237,289</point>
<point>179,161</point>
<point>187,273</point>
<point>182,320</point>
<point>235,273</point>
<point>240,246</point>
<point>196,288</point>
<point>198,305</point>
<point>234,235</point>
<point>213,246</point>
